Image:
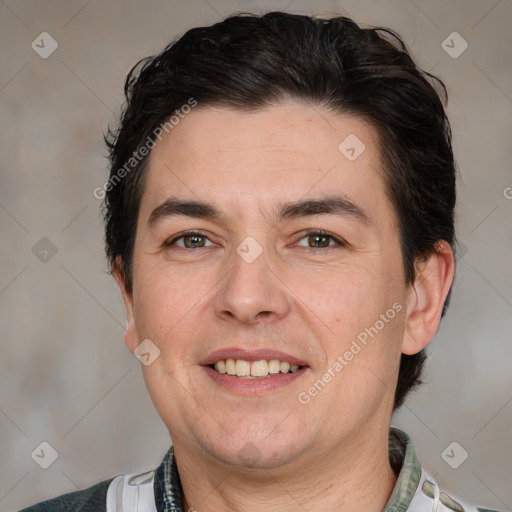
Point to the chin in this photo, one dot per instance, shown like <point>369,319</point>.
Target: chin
<point>265,447</point>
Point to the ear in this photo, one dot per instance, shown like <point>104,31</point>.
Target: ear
<point>130,336</point>
<point>428,293</point>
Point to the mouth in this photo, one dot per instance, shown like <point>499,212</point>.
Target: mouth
<point>260,369</point>
<point>255,371</point>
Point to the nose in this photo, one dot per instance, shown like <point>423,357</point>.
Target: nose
<point>252,292</point>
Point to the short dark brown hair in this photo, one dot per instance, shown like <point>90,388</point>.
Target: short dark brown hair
<point>248,62</point>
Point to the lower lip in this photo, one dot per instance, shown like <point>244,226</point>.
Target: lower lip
<point>259,386</point>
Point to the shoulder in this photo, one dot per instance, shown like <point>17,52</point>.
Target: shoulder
<point>90,499</point>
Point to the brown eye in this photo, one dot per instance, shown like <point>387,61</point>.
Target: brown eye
<point>190,240</point>
<point>319,240</point>
<point>193,241</point>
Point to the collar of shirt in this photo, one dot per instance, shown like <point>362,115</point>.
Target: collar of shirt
<point>405,464</point>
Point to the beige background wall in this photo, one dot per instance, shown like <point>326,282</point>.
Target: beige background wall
<point>66,377</point>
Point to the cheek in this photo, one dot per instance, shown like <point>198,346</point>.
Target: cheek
<point>342,297</point>
<point>355,305</point>
<point>166,297</point>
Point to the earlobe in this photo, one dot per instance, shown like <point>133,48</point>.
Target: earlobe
<point>428,293</point>
<point>130,335</point>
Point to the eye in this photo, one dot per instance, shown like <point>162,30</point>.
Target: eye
<point>190,240</point>
<point>312,240</point>
<point>319,240</point>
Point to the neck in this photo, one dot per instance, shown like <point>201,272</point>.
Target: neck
<point>354,478</point>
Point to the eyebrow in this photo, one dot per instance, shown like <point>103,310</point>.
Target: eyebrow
<point>331,205</point>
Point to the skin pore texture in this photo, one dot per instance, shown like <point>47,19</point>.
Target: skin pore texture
<point>307,295</point>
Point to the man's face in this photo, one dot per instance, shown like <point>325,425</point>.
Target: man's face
<point>277,274</point>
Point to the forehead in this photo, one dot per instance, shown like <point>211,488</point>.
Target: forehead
<point>283,153</point>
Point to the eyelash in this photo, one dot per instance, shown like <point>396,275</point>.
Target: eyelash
<point>317,232</point>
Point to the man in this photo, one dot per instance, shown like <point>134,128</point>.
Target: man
<point>279,218</point>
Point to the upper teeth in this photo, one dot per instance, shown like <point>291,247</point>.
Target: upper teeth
<point>249,369</point>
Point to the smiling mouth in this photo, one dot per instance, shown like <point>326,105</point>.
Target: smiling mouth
<point>253,369</point>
